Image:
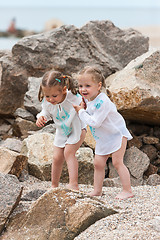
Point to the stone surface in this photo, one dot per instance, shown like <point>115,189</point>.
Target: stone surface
<point>136,89</point>
<point>10,193</point>
<point>39,150</point>
<point>11,162</point>
<point>58,214</point>
<point>13,144</point>
<point>13,82</point>
<point>94,43</point>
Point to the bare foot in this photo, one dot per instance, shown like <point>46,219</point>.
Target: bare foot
<point>72,187</point>
<point>124,195</point>
<point>94,193</point>
<point>54,186</point>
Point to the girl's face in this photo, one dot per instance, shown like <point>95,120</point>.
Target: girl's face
<point>54,94</point>
<point>88,88</point>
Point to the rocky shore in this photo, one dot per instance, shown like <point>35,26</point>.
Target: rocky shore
<point>29,208</point>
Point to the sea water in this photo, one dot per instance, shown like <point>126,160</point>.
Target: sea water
<point>34,18</point>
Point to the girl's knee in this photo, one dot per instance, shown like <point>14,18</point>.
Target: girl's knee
<point>117,163</point>
<point>99,165</point>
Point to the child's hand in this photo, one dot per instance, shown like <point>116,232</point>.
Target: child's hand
<point>41,121</point>
<point>77,108</point>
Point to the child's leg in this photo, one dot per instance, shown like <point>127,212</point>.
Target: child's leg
<point>99,174</point>
<point>117,160</point>
<point>72,163</point>
<point>57,164</point>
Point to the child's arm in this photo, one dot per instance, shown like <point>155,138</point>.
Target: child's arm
<point>82,105</point>
<point>43,116</point>
<point>99,115</point>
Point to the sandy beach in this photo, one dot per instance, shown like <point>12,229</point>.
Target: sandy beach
<point>153,32</point>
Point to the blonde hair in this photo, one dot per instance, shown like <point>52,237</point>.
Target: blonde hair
<point>56,78</point>
<point>97,76</point>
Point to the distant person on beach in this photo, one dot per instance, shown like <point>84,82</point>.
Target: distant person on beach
<point>108,129</point>
<point>12,26</point>
<point>58,97</point>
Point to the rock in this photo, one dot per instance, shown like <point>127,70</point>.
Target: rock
<point>31,102</point>
<point>135,141</point>
<point>115,42</point>
<point>136,161</point>
<point>58,214</point>
<point>4,128</point>
<point>23,113</point>
<point>151,170</point>
<point>11,162</point>
<point>153,180</point>
<point>156,223</point>
<point>13,80</point>
<point>10,194</point>
<point>39,150</point>
<point>112,182</point>
<point>12,144</point>
<point>150,150</point>
<point>150,140</point>
<point>140,100</point>
<point>94,43</point>
<point>21,127</point>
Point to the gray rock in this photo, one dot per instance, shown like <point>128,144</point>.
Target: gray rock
<point>12,144</point>
<point>153,180</point>
<point>68,48</point>
<point>10,194</point>
<point>31,102</point>
<point>23,113</point>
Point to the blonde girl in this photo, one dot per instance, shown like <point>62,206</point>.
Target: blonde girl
<point>108,128</point>
<point>58,96</point>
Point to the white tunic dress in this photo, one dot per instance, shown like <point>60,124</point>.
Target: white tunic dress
<point>68,124</point>
<point>106,124</point>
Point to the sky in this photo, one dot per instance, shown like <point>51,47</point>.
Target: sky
<point>96,3</point>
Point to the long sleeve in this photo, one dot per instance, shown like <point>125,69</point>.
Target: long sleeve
<point>99,115</point>
<point>45,112</point>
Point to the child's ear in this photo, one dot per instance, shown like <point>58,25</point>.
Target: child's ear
<point>64,89</point>
<point>99,86</point>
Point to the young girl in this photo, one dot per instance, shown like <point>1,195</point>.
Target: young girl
<point>58,96</point>
<point>108,128</point>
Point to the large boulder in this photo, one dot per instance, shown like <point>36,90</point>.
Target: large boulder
<point>136,89</point>
<point>58,214</point>
<point>69,48</point>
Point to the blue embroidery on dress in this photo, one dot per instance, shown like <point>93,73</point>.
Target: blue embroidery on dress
<point>66,130</point>
<point>93,132</point>
<point>78,95</point>
<point>98,103</point>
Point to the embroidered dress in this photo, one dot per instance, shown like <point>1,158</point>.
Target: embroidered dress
<point>107,125</point>
<point>68,124</point>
